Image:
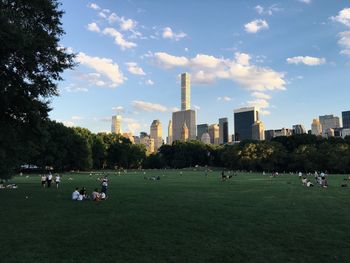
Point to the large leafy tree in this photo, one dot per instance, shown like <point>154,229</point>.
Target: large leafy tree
<point>31,63</point>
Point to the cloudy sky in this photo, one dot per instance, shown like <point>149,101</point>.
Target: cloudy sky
<point>291,58</point>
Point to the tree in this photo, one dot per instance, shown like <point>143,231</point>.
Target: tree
<point>31,63</point>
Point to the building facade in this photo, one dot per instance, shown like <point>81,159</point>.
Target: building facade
<point>258,131</point>
<point>346,119</point>
<point>184,133</point>
<point>116,124</point>
<point>223,130</point>
<point>244,118</point>
<point>316,127</point>
<point>156,134</point>
<point>169,139</point>
<point>214,133</point>
<point>201,129</point>
<point>329,122</point>
<point>299,129</point>
<point>185,91</point>
<point>181,117</point>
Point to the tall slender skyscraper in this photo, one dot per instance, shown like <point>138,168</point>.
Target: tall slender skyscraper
<point>223,130</point>
<point>170,133</point>
<point>316,127</point>
<point>156,134</point>
<point>116,124</point>
<point>186,115</point>
<point>185,91</point>
<point>244,118</point>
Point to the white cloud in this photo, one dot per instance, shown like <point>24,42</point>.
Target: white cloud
<point>127,24</point>
<point>93,27</point>
<point>118,109</point>
<point>225,98</point>
<point>72,88</point>
<point>186,49</point>
<point>119,38</point>
<point>256,26</point>
<point>305,1</point>
<point>133,68</point>
<point>112,18</point>
<point>168,33</point>
<point>149,82</point>
<point>76,118</point>
<point>259,9</point>
<point>267,11</point>
<point>103,66</point>
<point>307,60</point>
<point>343,17</point>
<point>344,42</point>
<point>239,69</point>
<point>148,106</point>
<point>261,95</point>
<point>67,123</point>
<point>168,61</point>
<point>94,6</point>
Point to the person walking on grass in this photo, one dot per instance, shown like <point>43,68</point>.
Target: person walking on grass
<point>43,180</point>
<point>49,180</point>
<point>104,185</point>
<point>57,180</point>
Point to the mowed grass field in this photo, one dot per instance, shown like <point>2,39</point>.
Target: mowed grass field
<point>181,218</point>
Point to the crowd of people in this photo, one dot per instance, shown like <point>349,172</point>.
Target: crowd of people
<point>82,194</point>
<point>47,179</point>
<point>320,180</point>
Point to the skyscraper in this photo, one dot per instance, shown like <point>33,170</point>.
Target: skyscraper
<point>214,133</point>
<point>299,129</point>
<point>202,128</point>
<point>258,131</point>
<point>346,119</point>
<point>185,91</point>
<point>186,115</point>
<point>316,127</point>
<point>170,133</point>
<point>156,134</point>
<point>244,118</point>
<point>223,130</point>
<point>205,138</point>
<point>329,122</point>
<point>116,124</point>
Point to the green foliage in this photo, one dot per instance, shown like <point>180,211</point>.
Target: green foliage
<point>31,63</point>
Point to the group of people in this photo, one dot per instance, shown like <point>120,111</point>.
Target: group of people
<point>46,180</point>
<point>320,180</point>
<point>80,195</point>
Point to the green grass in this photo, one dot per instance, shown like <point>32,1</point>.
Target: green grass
<point>188,218</point>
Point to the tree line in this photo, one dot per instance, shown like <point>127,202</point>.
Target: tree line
<point>65,148</point>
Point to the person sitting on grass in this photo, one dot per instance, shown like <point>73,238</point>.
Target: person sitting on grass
<point>95,196</point>
<point>103,196</point>
<point>324,182</point>
<point>304,181</point>
<point>75,194</point>
<point>83,193</point>
<point>309,184</point>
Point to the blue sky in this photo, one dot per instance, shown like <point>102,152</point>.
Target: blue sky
<point>291,58</point>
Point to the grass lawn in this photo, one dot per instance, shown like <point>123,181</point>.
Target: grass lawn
<point>181,218</point>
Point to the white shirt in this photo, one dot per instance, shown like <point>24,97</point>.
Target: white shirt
<point>75,195</point>
<point>58,179</point>
<point>49,177</point>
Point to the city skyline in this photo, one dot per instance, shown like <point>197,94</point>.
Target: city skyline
<point>132,54</point>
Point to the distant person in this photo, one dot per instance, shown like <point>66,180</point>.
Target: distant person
<point>300,175</point>
<point>75,194</point>
<point>309,184</point>
<point>324,182</point>
<point>49,180</point>
<point>103,196</point>
<point>304,181</point>
<point>95,195</point>
<point>57,180</point>
<point>43,180</point>
<point>83,193</point>
<point>104,185</point>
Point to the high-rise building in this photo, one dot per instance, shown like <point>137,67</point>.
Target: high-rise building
<point>244,118</point>
<point>201,129</point>
<point>223,130</point>
<point>205,138</point>
<point>116,124</point>
<point>170,133</point>
<point>258,131</point>
<point>329,122</point>
<point>146,140</point>
<point>214,133</point>
<point>186,115</point>
<point>269,134</point>
<point>346,119</point>
<point>283,132</point>
<point>185,91</point>
<point>299,129</point>
<point>156,134</point>
<point>316,127</point>
<point>129,136</point>
<point>184,133</point>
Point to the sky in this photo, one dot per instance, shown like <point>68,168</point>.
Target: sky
<point>290,58</point>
